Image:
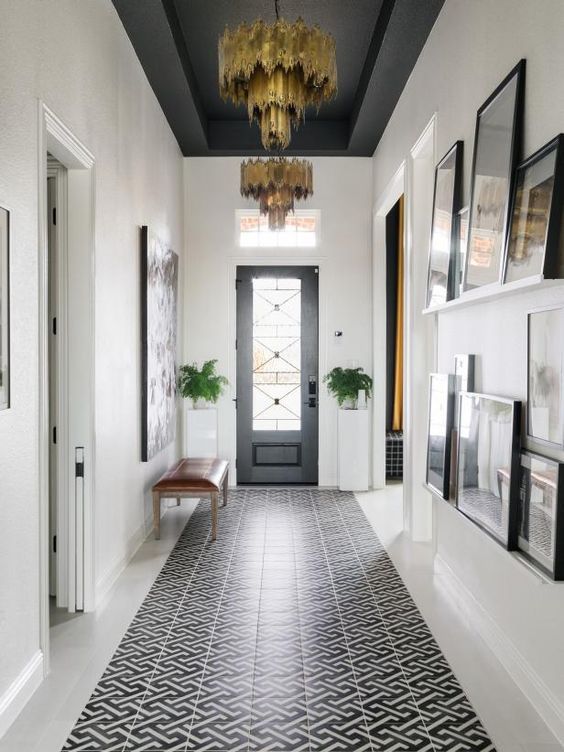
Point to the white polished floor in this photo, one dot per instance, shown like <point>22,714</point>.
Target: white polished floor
<point>82,646</point>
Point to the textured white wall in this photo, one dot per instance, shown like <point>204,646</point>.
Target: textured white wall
<point>343,194</point>
<point>472,46</point>
<point>75,55</point>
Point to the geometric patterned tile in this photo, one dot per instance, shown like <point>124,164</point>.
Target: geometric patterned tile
<point>293,631</point>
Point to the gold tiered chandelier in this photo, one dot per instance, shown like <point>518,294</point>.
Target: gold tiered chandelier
<point>277,70</point>
<point>276,183</point>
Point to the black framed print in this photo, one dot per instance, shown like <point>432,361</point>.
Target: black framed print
<point>535,231</point>
<point>497,143</point>
<point>4,309</point>
<point>545,363</point>
<point>460,251</point>
<point>541,515</point>
<point>488,464</point>
<point>443,243</point>
<point>441,410</point>
<point>464,370</point>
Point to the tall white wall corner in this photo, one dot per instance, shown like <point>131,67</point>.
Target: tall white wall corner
<point>354,449</point>
<point>20,691</point>
<point>546,703</point>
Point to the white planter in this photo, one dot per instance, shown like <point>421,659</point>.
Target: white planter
<point>200,437</point>
<point>353,450</point>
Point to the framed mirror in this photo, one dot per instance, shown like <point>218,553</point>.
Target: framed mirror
<point>496,150</point>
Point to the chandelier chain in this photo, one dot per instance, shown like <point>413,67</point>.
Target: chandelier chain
<point>277,9</point>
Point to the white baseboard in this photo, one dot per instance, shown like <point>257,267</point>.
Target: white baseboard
<point>110,576</point>
<point>20,691</point>
<point>545,702</point>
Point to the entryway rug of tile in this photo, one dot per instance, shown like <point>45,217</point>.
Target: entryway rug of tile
<point>293,631</point>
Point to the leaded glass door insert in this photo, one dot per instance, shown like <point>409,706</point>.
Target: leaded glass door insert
<point>277,362</point>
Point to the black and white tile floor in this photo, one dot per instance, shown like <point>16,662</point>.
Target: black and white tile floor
<point>293,631</point>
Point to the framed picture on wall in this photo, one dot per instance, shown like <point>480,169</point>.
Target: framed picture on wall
<point>496,149</point>
<point>442,247</point>
<point>464,381</point>
<point>159,289</point>
<point>545,363</point>
<point>541,514</point>
<point>533,241</point>
<point>4,309</point>
<point>441,410</point>
<point>460,251</point>
<point>488,464</point>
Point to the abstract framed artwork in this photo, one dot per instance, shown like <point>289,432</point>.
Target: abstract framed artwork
<point>464,381</point>
<point>545,363</point>
<point>4,309</point>
<point>497,143</point>
<point>159,291</point>
<point>441,410</point>
<point>443,243</point>
<point>488,464</point>
<point>460,251</point>
<point>535,231</point>
<point>541,514</point>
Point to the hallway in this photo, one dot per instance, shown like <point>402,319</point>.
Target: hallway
<point>292,632</point>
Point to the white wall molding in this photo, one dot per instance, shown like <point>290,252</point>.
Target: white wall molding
<point>20,691</point>
<point>545,702</point>
<point>109,578</point>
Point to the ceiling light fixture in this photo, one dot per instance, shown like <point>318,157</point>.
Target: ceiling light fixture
<point>277,70</point>
<point>275,183</point>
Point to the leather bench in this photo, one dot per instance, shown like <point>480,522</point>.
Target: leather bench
<point>188,478</point>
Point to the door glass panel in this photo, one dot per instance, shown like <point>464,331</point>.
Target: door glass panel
<point>276,354</point>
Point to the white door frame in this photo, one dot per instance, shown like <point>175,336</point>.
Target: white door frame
<point>54,137</point>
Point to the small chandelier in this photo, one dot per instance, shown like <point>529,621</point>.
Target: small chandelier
<point>277,71</point>
<point>275,183</point>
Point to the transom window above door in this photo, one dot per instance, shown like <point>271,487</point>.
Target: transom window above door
<point>301,231</point>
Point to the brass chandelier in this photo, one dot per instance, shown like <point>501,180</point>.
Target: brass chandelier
<point>275,183</point>
<point>277,70</point>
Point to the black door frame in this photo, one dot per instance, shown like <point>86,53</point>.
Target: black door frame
<point>245,447</point>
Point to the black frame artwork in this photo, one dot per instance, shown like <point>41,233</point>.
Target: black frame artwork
<point>4,309</point>
<point>545,368</point>
<point>441,409</point>
<point>159,293</point>
<point>446,204</point>
<point>541,514</point>
<point>460,251</point>
<point>464,381</point>
<point>497,147</point>
<point>533,242</point>
<point>477,485</point>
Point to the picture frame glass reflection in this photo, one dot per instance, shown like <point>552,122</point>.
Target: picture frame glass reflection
<point>545,363</point>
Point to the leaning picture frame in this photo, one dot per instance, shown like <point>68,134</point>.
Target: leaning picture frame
<point>497,146</point>
<point>443,241</point>
<point>534,238</point>
<point>441,412</point>
<point>4,309</point>
<point>541,513</point>
<point>488,464</point>
<point>545,373</point>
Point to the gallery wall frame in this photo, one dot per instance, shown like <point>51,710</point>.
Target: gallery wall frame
<point>541,513</point>
<point>534,238</point>
<point>159,293</point>
<point>486,467</point>
<point>443,242</point>
<point>441,416</point>
<point>545,364</point>
<point>4,309</point>
<point>497,148</point>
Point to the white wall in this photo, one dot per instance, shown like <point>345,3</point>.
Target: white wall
<point>75,56</point>
<point>343,194</point>
<point>472,46</point>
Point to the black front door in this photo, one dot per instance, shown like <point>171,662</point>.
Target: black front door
<point>277,378</point>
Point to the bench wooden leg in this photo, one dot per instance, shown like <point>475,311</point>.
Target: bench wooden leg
<point>214,496</point>
<point>225,485</point>
<point>157,514</point>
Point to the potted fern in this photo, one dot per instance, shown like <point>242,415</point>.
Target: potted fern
<point>203,386</point>
<point>346,385</point>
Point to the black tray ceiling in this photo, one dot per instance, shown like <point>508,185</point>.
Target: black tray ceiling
<point>378,43</point>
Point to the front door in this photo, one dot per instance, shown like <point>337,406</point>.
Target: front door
<point>277,374</point>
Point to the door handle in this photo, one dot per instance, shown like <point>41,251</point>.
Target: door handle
<point>312,402</point>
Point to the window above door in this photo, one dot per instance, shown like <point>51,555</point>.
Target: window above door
<point>301,231</point>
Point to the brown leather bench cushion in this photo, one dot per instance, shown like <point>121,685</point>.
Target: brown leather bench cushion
<point>193,474</point>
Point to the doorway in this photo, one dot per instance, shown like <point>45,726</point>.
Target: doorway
<point>277,374</point>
